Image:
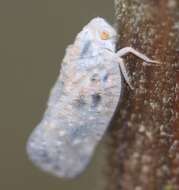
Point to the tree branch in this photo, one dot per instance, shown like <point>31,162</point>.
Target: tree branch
<point>144,146</point>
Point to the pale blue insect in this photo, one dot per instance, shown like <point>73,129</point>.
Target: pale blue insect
<point>82,101</point>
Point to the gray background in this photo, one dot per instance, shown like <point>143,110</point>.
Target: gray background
<point>33,37</point>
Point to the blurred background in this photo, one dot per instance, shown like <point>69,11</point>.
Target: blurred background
<point>33,38</point>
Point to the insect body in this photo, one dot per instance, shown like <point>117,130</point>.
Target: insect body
<point>82,102</point>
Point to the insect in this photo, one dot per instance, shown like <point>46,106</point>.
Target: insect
<point>82,101</point>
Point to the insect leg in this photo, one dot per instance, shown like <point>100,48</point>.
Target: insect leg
<point>124,72</point>
<point>127,50</point>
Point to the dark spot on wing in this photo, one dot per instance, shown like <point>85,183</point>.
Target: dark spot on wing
<point>96,98</point>
<point>78,132</point>
<point>86,48</point>
<point>44,157</point>
<point>95,77</point>
<point>80,102</point>
<point>105,77</point>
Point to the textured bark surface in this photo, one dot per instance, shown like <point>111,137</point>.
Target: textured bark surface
<point>145,137</point>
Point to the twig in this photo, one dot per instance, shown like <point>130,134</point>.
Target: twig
<point>145,137</point>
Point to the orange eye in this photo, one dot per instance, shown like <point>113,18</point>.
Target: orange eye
<point>104,35</point>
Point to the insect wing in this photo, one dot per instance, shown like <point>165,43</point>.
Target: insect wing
<point>80,108</point>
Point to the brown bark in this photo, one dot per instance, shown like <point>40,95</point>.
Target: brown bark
<point>145,137</point>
